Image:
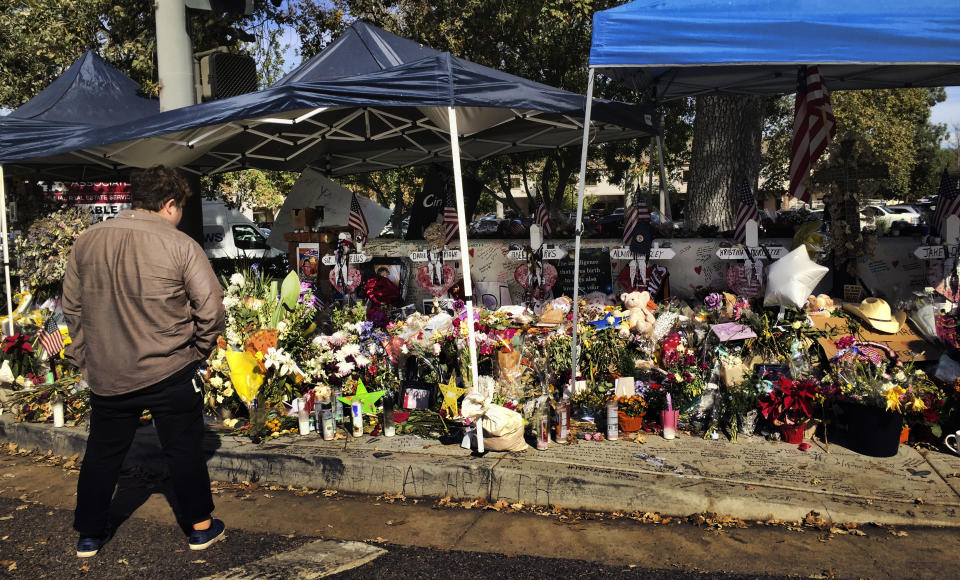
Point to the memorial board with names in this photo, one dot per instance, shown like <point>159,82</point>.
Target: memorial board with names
<point>758,252</point>
<point>595,275</point>
<point>421,255</point>
<point>936,252</point>
<point>331,260</point>
<point>655,254</point>
<point>548,254</point>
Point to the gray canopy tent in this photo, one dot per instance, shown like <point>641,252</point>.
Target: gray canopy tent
<point>678,48</point>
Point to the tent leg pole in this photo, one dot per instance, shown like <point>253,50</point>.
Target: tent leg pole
<point>8,327</point>
<point>578,231</point>
<point>664,195</point>
<point>464,255</point>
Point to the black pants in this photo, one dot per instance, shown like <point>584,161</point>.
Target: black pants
<point>177,409</point>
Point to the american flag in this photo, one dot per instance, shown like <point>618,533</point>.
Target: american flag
<point>451,226</point>
<point>357,221</point>
<point>543,218</point>
<point>50,337</point>
<point>813,127</point>
<point>948,203</point>
<point>746,210</point>
<point>638,212</point>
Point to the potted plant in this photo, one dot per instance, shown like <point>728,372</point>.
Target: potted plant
<point>790,406</point>
<point>630,411</point>
<point>875,397</point>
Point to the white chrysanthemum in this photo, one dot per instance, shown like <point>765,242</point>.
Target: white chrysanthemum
<point>236,279</point>
<point>344,368</point>
<point>372,348</point>
<point>350,349</point>
<point>230,301</point>
<point>338,338</point>
<point>361,360</point>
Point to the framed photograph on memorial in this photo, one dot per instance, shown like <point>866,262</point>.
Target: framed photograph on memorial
<point>418,399</point>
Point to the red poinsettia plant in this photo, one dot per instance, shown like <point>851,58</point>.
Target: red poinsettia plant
<point>790,402</point>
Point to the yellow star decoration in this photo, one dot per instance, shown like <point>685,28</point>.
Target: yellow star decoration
<point>451,392</point>
<point>366,399</point>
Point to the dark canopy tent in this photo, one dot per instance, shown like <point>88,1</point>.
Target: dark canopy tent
<point>390,114</point>
<point>90,94</point>
<point>677,48</point>
<point>370,101</point>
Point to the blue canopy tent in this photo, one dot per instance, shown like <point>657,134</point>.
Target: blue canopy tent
<point>90,94</point>
<point>370,101</point>
<point>678,48</point>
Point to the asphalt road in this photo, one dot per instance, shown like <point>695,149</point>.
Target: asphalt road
<point>430,538</point>
<point>38,542</point>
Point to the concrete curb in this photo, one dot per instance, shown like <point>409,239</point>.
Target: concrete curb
<point>752,480</point>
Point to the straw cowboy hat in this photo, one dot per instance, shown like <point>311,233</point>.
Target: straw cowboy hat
<point>876,313</point>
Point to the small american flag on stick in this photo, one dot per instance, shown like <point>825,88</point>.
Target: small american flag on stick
<point>746,210</point>
<point>451,226</point>
<point>948,203</point>
<point>357,220</point>
<point>813,127</point>
<point>543,218</point>
<point>50,337</point>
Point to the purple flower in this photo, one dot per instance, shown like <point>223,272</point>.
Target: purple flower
<point>713,301</point>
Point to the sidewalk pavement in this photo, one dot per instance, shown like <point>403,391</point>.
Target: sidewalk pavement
<point>753,479</point>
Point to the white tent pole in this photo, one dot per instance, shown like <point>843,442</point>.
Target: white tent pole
<point>464,250</point>
<point>578,231</point>
<point>664,195</point>
<point>174,55</point>
<point>8,327</point>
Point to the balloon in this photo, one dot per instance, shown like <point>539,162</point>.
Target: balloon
<point>792,278</point>
<point>245,374</point>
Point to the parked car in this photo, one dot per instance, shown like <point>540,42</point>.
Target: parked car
<point>898,217</point>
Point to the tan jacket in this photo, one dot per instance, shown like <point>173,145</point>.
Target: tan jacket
<point>141,302</point>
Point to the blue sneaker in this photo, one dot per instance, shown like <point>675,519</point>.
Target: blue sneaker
<point>87,547</point>
<point>202,539</point>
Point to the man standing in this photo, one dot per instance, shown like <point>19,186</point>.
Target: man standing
<point>144,309</point>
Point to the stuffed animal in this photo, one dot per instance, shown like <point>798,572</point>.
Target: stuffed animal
<point>642,320</point>
<point>820,303</point>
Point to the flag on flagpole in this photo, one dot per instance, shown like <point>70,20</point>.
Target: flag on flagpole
<point>50,337</point>
<point>637,212</point>
<point>451,226</point>
<point>746,210</point>
<point>543,218</point>
<point>357,220</point>
<point>948,203</point>
<point>813,127</point>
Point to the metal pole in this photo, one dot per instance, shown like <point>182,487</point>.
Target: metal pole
<point>8,327</point>
<point>578,231</point>
<point>174,55</point>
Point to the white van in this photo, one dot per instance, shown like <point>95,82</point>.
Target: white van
<point>227,233</point>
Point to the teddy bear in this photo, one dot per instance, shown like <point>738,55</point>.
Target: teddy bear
<point>642,320</point>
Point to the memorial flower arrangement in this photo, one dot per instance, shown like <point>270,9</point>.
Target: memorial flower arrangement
<point>43,251</point>
<point>631,406</point>
<point>268,329</point>
<point>870,374</point>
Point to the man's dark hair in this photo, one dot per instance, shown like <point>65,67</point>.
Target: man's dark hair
<point>151,188</point>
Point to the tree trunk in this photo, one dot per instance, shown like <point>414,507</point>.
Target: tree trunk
<point>726,150</point>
